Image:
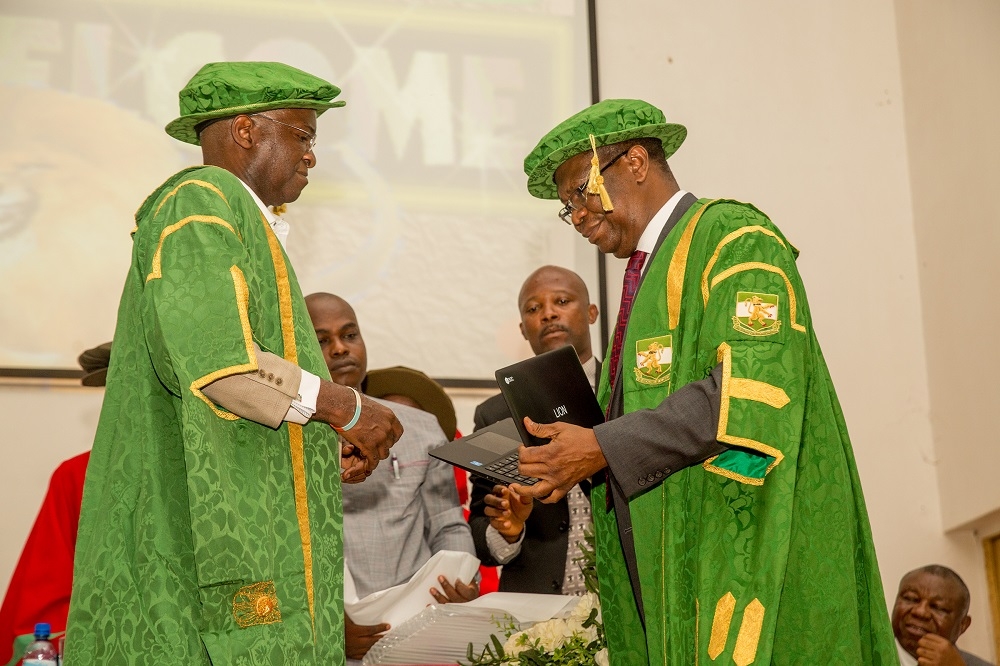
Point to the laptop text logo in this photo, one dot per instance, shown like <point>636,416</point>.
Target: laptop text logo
<point>509,380</point>
<point>561,411</point>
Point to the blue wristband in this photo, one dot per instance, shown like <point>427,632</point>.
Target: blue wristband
<point>357,413</point>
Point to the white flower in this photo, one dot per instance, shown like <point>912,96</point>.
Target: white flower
<point>550,634</point>
<point>581,611</point>
<point>516,643</point>
<point>589,634</point>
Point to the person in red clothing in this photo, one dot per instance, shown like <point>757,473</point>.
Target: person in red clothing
<point>40,587</point>
<point>415,389</point>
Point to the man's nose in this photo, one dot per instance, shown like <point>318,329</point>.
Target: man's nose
<point>922,609</point>
<point>310,158</point>
<point>549,313</point>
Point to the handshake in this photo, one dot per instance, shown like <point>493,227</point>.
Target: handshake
<point>367,429</point>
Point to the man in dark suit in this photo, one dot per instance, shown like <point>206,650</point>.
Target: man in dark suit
<point>535,542</point>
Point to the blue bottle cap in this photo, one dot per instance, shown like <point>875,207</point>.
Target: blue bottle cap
<point>43,630</point>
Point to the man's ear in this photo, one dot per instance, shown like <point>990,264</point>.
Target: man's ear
<point>638,162</point>
<point>242,131</point>
<point>592,313</point>
<point>964,624</point>
<point>523,334</point>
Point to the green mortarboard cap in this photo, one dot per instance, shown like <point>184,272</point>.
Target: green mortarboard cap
<point>226,89</point>
<point>610,121</point>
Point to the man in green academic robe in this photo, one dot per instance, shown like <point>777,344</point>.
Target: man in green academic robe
<point>210,530</point>
<point>730,523</point>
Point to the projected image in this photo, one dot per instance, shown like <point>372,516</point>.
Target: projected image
<point>416,211</point>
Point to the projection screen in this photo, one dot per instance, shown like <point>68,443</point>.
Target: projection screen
<point>416,212</point>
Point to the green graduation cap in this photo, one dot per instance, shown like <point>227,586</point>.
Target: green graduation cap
<point>604,123</point>
<point>226,89</point>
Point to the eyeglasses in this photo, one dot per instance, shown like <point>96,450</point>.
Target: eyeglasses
<point>566,212</point>
<point>309,136</point>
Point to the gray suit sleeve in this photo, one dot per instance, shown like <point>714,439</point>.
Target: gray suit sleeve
<point>646,446</point>
<point>973,660</point>
<point>446,528</point>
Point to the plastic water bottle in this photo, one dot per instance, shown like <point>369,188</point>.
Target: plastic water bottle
<point>42,652</point>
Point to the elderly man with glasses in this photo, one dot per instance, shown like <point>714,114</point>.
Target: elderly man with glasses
<point>211,525</point>
<point>729,517</point>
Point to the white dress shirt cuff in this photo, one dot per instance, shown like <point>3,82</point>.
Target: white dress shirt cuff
<point>304,406</point>
<point>501,550</point>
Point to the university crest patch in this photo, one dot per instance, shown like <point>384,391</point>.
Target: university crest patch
<point>756,314</point>
<point>652,360</point>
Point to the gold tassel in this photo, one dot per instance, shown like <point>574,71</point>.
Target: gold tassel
<point>595,185</point>
<point>279,209</point>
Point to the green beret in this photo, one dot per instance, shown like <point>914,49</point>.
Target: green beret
<point>226,89</point>
<point>610,121</point>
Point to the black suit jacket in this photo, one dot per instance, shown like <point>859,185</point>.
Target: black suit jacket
<point>540,567</point>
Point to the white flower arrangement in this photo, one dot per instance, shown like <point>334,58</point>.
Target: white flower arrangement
<point>555,633</point>
<point>577,639</point>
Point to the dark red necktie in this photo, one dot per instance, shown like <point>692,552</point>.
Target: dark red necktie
<point>630,285</point>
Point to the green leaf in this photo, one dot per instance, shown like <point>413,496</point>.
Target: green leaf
<point>498,645</point>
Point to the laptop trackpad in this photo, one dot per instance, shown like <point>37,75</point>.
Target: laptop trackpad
<point>495,443</point>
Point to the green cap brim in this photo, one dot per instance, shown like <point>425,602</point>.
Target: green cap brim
<point>182,128</point>
<point>541,179</point>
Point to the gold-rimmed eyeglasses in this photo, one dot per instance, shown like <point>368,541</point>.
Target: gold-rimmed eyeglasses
<point>576,200</point>
<point>309,136</point>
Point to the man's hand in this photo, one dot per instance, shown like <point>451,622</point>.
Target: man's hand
<point>352,466</point>
<point>361,638</point>
<point>507,512</point>
<point>375,432</point>
<point>572,456</point>
<point>457,593</point>
<point>934,650</point>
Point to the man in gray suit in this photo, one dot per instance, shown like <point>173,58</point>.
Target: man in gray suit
<point>930,613</point>
<point>408,510</point>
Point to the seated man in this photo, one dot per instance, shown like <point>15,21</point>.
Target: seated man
<point>930,613</point>
<point>536,543</point>
<point>414,388</point>
<point>405,511</point>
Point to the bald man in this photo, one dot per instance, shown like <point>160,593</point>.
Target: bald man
<point>406,511</point>
<point>536,543</point>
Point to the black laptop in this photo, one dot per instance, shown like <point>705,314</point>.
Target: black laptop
<point>546,388</point>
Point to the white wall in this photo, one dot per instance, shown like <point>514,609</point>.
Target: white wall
<point>798,108</point>
<point>951,78</point>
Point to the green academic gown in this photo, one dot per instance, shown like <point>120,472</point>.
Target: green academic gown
<point>763,554</point>
<point>205,537</point>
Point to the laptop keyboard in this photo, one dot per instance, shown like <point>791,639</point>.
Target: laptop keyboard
<point>508,467</point>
